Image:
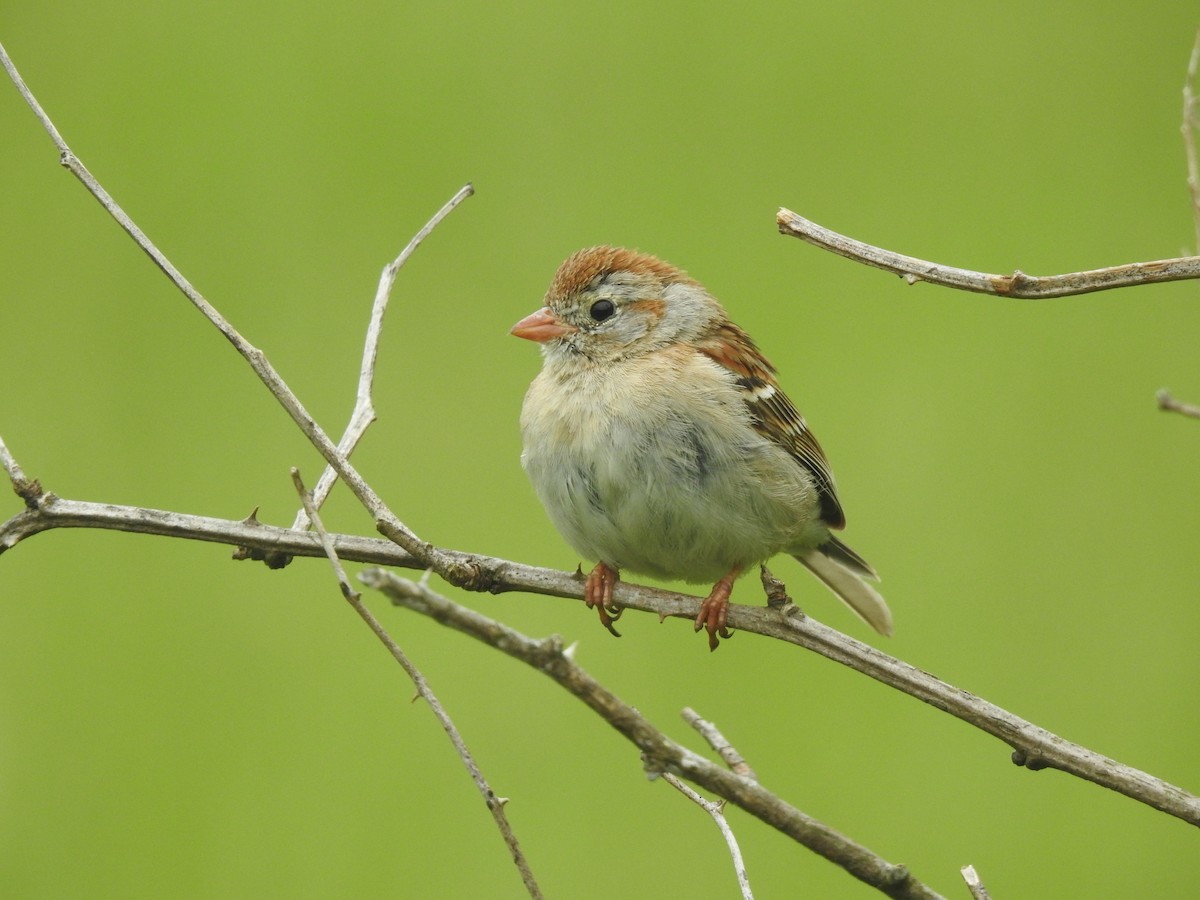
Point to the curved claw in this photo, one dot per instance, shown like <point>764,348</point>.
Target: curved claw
<point>714,611</point>
<point>598,594</point>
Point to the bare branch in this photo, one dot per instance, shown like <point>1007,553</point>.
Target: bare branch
<point>1189,128</point>
<point>661,754</point>
<point>1168,403</point>
<point>1017,285</point>
<point>364,409</point>
<point>253,539</point>
<point>494,804</point>
<point>974,885</point>
<point>716,811</point>
<point>1033,747</point>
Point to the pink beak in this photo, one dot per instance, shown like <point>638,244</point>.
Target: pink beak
<point>541,326</point>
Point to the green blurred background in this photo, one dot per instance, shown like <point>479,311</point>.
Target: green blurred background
<point>174,724</point>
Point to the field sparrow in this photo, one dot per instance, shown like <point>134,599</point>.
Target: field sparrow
<point>659,441</point>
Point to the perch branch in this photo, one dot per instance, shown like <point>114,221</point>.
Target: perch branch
<point>659,752</point>
<point>494,804</point>
<point>1017,285</point>
<point>1033,747</point>
<point>364,408</point>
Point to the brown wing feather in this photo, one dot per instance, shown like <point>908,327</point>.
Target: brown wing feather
<point>772,413</point>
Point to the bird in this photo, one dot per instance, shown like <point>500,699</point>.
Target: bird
<point>659,441</point>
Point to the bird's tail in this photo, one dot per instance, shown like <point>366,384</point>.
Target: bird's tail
<point>843,571</point>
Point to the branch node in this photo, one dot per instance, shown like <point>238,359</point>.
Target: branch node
<point>1015,283</point>
<point>1029,760</point>
<point>655,768</point>
<point>896,875</point>
<point>776,590</point>
<point>31,493</point>
<point>471,575</point>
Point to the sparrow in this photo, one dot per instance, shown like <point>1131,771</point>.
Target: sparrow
<point>660,443</point>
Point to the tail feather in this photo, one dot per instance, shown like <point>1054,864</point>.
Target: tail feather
<point>839,552</point>
<point>842,570</point>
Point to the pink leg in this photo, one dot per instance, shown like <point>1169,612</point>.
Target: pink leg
<point>714,610</point>
<point>598,593</point>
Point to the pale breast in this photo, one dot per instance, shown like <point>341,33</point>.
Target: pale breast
<point>652,466</point>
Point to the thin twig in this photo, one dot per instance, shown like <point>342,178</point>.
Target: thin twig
<point>974,884</point>
<point>1169,404</point>
<point>719,743</point>
<point>1017,285</point>
<point>364,409</point>
<point>1033,747</point>
<point>660,753</point>
<point>28,490</point>
<point>717,812</point>
<point>495,804</point>
<point>1189,128</point>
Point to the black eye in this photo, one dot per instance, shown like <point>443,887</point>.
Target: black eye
<point>602,309</point>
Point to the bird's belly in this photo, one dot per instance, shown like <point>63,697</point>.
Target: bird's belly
<point>683,500</point>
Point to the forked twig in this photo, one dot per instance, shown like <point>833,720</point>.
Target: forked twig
<point>364,408</point>
<point>738,765</point>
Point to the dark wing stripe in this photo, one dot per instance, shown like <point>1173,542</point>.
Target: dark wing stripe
<point>773,414</point>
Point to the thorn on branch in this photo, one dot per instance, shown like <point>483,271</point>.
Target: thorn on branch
<point>274,559</point>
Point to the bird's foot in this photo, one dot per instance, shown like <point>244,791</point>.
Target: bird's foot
<point>715,609</point>
<point>598,594</point>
